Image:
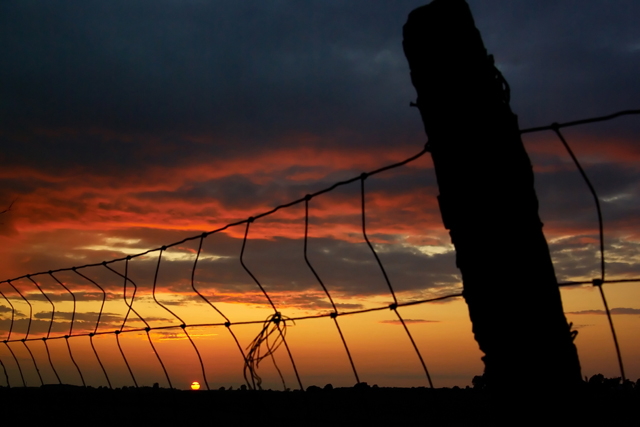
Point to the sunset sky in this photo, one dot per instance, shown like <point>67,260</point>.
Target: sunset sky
<point>125,126</point>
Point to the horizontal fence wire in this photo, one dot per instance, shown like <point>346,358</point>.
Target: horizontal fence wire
<point>274,328</point>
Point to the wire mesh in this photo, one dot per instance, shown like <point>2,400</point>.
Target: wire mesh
<point>273,330</point>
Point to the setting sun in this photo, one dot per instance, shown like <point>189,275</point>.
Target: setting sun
<point>195,385</point>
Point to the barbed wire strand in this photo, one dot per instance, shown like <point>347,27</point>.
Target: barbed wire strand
<point>91,335</point>
<point>393,306</point>
<point>44,339</point>
<point>73,316</point>
<point>7,340</point>
<point>596,282</point>
<point>324,288</point>
<point>26,336</point>
<point>227,323</point>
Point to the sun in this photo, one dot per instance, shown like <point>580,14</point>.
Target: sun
<point>195,385</point>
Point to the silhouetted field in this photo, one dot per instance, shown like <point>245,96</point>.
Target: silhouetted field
<point>361,405</point>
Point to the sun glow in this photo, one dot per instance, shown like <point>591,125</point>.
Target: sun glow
<point>195,385</point>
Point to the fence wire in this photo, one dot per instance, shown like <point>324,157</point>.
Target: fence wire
<point>273,332</point>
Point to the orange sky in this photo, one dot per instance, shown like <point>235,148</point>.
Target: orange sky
<point>125,130</point>
<point>398,222</point>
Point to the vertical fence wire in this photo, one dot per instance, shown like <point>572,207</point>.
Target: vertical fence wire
<point>130,305</point>
<point>6,341</point>
<point>6,376</point>
<point>275,318</point>
<point>130,308</point>
<point>95,330</point>
<point>44,339</point>
<point>117,332</point>
<point>596,282</point>
<point>393,306</point>
<point>334,315</point>
<point>73,316</point>
<point>155,281</point>
<point>227,321</point>
<point>275,325</point>
<point>26,336</point>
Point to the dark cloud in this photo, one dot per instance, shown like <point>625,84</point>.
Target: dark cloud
<point>118,103</point>
<point>141,76</point>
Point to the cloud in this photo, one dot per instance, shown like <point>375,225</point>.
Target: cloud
<point>128,130</point>
<point>618,310</point>
<point>179,336</point>
<point>407,321</point>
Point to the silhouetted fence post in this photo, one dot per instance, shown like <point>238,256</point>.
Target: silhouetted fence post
<point>488,202</point>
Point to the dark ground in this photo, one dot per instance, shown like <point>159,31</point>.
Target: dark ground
<point>360,406</point>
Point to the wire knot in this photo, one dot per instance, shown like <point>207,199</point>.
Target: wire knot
<point>275,324</point>
<point>183,326</point>
<point>393,306</point>
<point>364,176</point>
<point>597,282</point>
<point>227,324</point>
<point>147,329</point>
<point>334,315</point>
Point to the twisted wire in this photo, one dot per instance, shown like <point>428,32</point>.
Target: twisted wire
<point>275,318</point>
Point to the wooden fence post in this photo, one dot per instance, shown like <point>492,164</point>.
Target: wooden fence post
<point>488,202</point>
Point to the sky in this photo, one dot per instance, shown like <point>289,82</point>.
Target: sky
<point>126,126</point>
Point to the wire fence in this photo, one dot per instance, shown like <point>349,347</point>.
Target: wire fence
<point>273,330</point>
